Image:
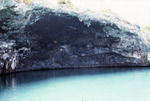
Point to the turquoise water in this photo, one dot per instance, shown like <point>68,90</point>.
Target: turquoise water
<point>77,85</point>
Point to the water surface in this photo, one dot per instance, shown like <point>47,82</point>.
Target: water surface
<point>105,84</point>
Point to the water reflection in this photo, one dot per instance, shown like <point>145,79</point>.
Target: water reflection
<point>28,77</point>
<point>107,84</point>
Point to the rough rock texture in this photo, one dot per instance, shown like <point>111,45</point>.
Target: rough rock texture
<point>44,38</point>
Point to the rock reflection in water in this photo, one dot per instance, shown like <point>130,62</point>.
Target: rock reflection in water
<point>14,80</point>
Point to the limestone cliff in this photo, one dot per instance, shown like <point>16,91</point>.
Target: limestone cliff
<point>46,38</point>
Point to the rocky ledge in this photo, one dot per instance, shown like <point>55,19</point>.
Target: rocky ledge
<point>44,38</point>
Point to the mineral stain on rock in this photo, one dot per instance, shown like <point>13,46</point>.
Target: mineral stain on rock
<point>45,38</point>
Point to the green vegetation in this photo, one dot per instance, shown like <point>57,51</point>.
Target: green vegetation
<point>64,2</point>
<point>67,3</point>
<point>89,10</point>
<point>146,32</point>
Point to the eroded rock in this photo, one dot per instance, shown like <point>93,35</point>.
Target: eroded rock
<point>60,39</point>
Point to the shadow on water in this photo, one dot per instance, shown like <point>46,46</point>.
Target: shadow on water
<point>15,79</point>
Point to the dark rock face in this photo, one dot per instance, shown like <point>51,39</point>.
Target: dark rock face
<point>53,39</point>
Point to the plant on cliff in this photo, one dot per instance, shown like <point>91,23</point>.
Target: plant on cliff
<point>67,4</point>
<point>64,2</point>
<point>146,32</point>
<point>28,2</point>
